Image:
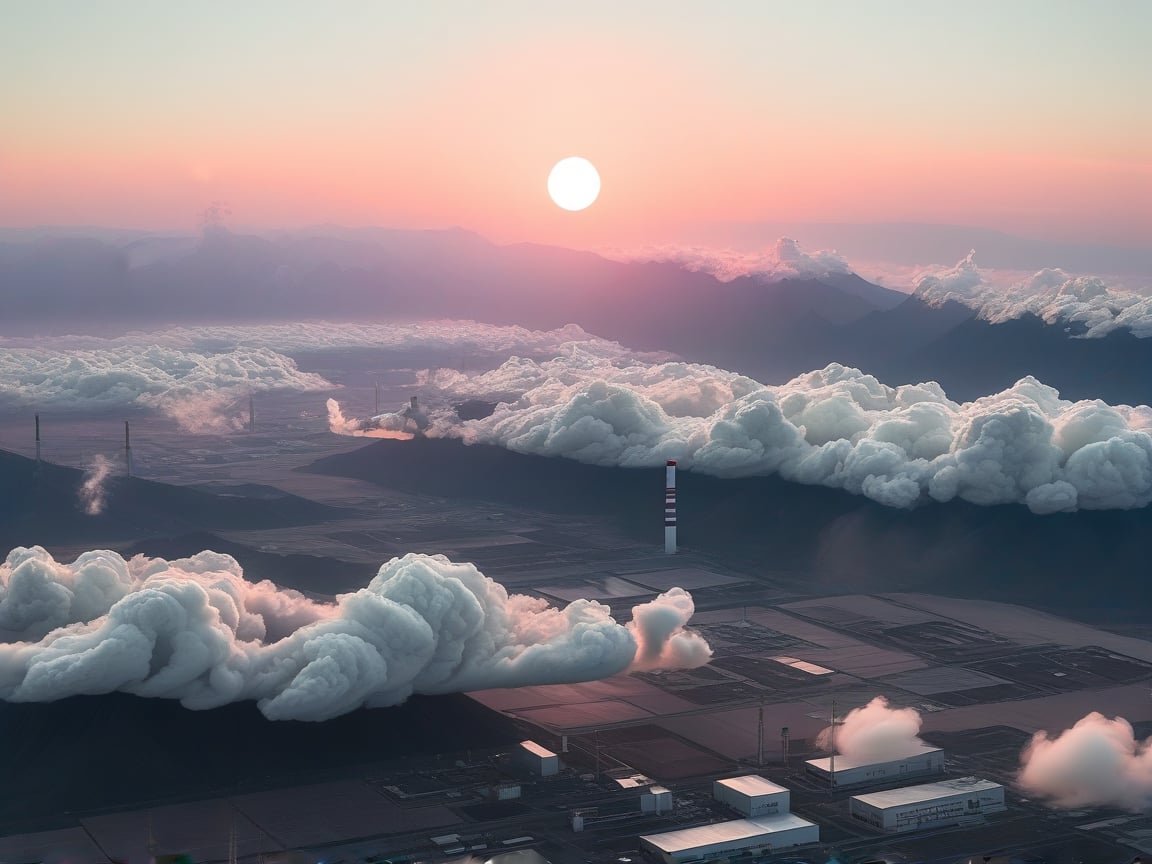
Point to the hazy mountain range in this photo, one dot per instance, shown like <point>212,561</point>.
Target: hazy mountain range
<point>770,329</point>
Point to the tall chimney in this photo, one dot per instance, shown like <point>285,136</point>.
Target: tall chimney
<point>670,508</point>
<point>832,749</point>
<point>414,406</point>
<point>127,449</point>
<point>377,414</point>
<point>251,413</point>
<point>37,439</point>
<point>760,738</point>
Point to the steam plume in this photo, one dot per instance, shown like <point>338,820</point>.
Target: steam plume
<point>383,426</point>
<point>1097,763</point>
<point>93,490</point>
<point>195,630</point>
<point>875,732</point>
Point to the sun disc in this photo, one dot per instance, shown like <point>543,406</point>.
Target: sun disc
<point>574,183</point>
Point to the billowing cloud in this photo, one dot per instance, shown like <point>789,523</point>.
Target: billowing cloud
<point>1097,763</point>
<point>1053,295</point>
<point>836,427</point>
<point>94,488</point>
<point>195,630</point>
<point>875,732</point>
<point>785,260</point>
<point>203,392</point>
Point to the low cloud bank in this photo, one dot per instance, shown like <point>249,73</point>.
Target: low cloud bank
<point>836,427</point>
<point>304,337</point>
<point>203,392</point>
<point>785,260</point>
<point>1097,763</point>
<point>1053,295</point>
<point>195,630</point>
<point>875,732</point>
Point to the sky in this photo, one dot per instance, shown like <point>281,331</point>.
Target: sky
<point>1024,116</point>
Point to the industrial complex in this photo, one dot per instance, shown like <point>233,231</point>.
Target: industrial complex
<point>718,762</point>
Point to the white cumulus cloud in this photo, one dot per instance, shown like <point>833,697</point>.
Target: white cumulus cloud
<point>835,427</point>
<point>1097,763</point>
<point>1051,294</point>
<point>875,732</point>
<point>195,630</point>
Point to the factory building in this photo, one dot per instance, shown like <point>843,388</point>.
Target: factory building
<point>752,795</point>
<point>539,760</point>
<point>931,805</point>
<point>728,839</point>
<point>656,799</point>
<point>854,772</point>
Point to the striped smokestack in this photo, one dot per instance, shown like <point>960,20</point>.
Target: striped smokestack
<point>670,508</point>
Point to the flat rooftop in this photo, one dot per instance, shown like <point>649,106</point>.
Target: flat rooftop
<point>843,763</point>
<point>724,832</point>
<point>536,750</point>
<point>925,792</point>
<point>752,785</point>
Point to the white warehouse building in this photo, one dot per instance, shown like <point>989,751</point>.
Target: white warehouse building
<point>854,772</point>
<point>539,760</point>
<point>752,795</point>
<point>931,805</point>
<point>726,839</point>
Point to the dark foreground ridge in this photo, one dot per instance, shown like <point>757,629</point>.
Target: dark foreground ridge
<point>1078,563</point>
<point>41,505</point>
<point>115,752</point>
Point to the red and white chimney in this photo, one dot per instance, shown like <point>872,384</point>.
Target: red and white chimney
<point>670,508</point>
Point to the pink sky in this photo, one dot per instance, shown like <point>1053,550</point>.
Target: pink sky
<point>293,118</point>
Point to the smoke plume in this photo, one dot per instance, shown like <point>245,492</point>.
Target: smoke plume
<point>1097,763</point>
<point>875,732</point>
<point>195,630</point>
<point>837,427</point>
<point>93,488</point>
<point>381,426</point>
<point>1051,294</point>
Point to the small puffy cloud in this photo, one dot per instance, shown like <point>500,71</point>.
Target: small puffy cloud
<point>1097,763</point>
<point>874,733</point>
<point>196,630</point>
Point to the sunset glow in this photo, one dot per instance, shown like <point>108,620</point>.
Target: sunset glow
<point>302,117</point>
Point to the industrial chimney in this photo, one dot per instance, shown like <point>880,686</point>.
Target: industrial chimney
<point>127,449</point>
<point>37,439</point>
<point>251,413</point>
<point>670,508</point>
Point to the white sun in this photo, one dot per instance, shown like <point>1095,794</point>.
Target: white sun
<point>574,183</point>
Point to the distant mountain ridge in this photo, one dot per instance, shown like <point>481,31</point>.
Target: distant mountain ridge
<point>769,329</point>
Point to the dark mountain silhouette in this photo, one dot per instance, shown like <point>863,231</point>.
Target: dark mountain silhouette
<point>113,752</point>
<point>40,505</point>
<point>1077,563</point>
